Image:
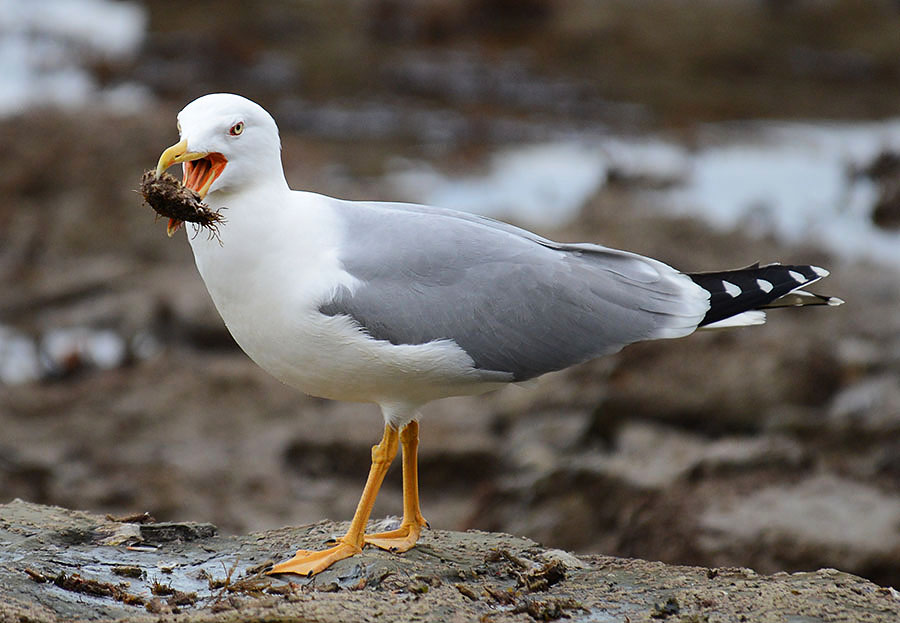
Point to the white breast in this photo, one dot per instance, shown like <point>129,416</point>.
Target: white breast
<point>276,264</point>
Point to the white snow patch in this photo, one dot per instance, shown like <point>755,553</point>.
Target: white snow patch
<point>102,348</point>
<point>543,185</point>
<point>19,361</point>
<point>791,180</point>
<point>651,160</point>
<point>46,46</point>
<point>539,185</point>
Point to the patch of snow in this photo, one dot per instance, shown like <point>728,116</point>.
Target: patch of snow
<point>795,181</point>
<point>650,160</point>
<point>19,361</point>
<point>45,47</point>
<point>537,185</point>
<point>68,347</point>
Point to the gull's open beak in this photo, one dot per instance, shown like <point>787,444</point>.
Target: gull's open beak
<point>200,170</point>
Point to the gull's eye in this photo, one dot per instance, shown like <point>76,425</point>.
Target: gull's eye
<point>178,126</point>
<point>237,128</point>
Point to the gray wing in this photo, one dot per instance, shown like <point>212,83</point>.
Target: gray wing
<point>515,302</point>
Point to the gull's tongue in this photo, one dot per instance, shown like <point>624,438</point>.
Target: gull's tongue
<point>193,177</point>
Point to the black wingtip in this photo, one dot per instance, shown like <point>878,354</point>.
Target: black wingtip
<point>734,292</point>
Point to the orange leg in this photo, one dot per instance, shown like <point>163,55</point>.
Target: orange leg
<point>405,537</point>
<point>309,563</point>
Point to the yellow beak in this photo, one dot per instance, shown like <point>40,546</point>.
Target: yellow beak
<point>175,154</point>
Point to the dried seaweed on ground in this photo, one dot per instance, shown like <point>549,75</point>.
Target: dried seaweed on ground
<point>77,584</point>
<point>140,518</point>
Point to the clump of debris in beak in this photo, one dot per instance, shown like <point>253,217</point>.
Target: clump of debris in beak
<point>171,199</point>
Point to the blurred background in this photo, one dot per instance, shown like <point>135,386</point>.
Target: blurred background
<point>706,133</point>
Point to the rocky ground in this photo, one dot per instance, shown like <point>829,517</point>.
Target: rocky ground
<point>62,565</point>
<point>774,447</point>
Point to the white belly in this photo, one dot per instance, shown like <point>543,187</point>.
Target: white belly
<point>330,357</point>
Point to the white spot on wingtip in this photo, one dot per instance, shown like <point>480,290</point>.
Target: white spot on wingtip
<point>797,276</point>
<point>821,272</point>
<point>765,286</point>
<point>732,290</point>
<point>835,301</point>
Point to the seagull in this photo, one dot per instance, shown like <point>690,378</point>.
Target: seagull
<point>400,304</point>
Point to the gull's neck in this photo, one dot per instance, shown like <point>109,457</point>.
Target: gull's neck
<point>252,214</point>
<point>271,235</point>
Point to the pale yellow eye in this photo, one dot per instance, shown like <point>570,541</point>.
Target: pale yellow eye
<point>237,128</point>
<point>178,125</point>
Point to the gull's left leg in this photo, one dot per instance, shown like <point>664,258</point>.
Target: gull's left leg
<point>310,563</point>
<point>405,537</point>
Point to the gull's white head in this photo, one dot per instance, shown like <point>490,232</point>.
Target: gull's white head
<point>227,143</point>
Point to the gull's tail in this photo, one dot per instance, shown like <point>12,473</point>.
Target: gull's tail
<point>737,297</point>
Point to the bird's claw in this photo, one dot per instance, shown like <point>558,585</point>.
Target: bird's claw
<point>309,563</point>
<point>400,540</point>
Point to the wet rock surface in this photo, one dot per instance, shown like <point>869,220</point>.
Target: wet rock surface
<point>63,565</point>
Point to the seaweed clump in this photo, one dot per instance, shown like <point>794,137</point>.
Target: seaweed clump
<point>170,198</point>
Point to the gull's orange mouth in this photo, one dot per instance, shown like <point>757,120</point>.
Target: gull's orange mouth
<point>199,174</point>
<point>201,169</point>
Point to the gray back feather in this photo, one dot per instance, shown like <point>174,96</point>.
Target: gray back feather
<point>515,302</point>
